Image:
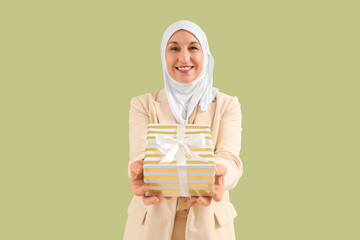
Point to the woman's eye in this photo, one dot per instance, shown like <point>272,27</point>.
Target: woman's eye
<point>173,48</point>
<point>193,48</point>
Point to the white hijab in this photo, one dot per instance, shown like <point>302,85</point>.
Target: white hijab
<point>183,97</point>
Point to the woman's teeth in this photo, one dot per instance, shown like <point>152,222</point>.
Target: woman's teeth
<point>184,69</point>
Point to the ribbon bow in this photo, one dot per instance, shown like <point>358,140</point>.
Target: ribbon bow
<point>171,146</point>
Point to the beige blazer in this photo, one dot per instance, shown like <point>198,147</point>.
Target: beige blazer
<point>216,221</point>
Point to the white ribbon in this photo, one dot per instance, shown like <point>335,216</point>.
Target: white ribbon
<point>171,146</point>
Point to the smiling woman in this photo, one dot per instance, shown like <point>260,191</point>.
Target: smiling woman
<point>184,57</point>
<point>187,98</point>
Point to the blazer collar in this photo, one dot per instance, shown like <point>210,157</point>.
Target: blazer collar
<point>161,96</point>
<point>164,113</point>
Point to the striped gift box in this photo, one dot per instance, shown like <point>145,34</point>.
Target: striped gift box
<point>179,160</point>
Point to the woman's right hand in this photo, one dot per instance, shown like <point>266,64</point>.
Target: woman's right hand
<point>139,187</point>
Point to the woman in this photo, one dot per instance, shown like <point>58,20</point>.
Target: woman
<point>188,98</point>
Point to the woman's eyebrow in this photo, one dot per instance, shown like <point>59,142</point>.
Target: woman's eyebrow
<point>193,42</point>
<point>172,42</point>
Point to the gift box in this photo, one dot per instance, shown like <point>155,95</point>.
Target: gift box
<point>179,160</point>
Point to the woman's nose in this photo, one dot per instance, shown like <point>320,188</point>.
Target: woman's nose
<point>184,56</point>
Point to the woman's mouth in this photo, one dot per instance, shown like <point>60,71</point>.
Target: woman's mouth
<point>184,69</point>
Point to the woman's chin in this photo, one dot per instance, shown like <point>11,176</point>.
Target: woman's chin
<point>184,80</point>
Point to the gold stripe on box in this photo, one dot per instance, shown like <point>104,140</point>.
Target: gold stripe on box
<point>201,170</point>
<point>192,149</point>
<point>164,184</point>
<point>201,184</point>
<point>159,132</point>
<point>161,177</point>
<point>160,170</point>
<point>200,177</point>
<point>174,162</point>
<point>153,137</point>
<point>173,127</point>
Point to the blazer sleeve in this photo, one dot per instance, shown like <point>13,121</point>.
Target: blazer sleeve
<point>138,123</point>
<point>227,149</point>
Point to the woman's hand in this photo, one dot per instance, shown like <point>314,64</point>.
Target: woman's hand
<point>139,187</point>
<point>216,193</point>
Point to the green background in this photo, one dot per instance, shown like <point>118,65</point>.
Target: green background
<point>70,68</point>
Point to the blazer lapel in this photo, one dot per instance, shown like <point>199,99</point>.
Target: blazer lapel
<point>163,110</point>
<point>165,116</point>
<point>207,116</point>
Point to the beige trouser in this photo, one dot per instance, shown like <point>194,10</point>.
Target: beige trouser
<point>180,221</point>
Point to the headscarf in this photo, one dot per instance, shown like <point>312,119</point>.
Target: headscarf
<point>183,97</point>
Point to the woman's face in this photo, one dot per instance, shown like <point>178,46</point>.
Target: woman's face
<point>184,56</point>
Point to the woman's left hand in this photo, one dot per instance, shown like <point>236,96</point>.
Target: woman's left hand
<point>216,193</point>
